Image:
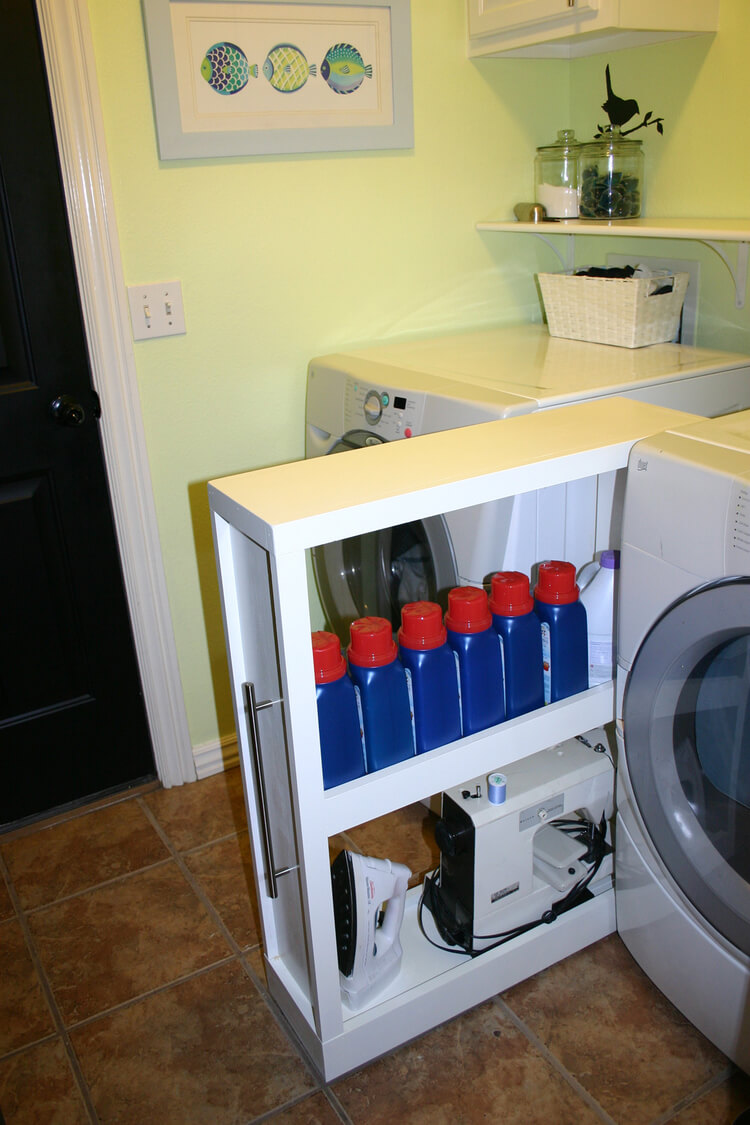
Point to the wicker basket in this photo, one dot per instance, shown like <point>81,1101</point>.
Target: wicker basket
<point>625,311</point>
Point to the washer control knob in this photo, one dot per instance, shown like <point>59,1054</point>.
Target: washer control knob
<point>373,407</point>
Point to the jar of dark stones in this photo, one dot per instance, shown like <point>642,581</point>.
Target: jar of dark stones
<point>611,177</point>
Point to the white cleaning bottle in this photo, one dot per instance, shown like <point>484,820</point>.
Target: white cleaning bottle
<point>598,594</point>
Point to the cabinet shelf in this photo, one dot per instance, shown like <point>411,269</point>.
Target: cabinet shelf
<point>711,232</point>
<point>264,523</point>
<point>389,789</point>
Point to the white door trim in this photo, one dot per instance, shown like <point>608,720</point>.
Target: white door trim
<point>66,39</point>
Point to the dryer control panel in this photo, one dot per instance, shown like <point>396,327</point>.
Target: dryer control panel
<point>387,411</point>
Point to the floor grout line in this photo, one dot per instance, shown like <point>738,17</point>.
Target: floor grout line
<point>554,1062</point>
<point>49,997</point>
<point>31,910</point>
<point>709,1085</point>
<point>241,955</point>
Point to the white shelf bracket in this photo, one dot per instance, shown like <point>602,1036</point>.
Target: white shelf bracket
<point>568,260</point>
<point>738,273</point>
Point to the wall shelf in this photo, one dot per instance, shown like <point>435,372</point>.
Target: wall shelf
<point>712,232</point>
<point>264,522</point>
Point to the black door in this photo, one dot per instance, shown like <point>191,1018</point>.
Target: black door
<point>686,719</point>
<point>72,719</point>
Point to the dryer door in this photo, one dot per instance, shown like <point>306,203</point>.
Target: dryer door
<point>377,573</point>
<point>686,722</point>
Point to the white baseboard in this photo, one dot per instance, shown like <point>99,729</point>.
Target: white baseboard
<point>215,756</point>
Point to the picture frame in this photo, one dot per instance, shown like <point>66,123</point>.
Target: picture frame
<point>264,77</point>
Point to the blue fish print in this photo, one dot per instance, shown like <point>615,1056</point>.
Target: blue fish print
<point>344,69</point>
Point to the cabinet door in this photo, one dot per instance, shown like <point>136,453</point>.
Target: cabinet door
<point>505,15</point>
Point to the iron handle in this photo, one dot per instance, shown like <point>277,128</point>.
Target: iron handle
<point>66,411</point>
<point>252,708</point>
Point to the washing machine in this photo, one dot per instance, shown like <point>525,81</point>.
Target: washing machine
<point>400,390</point>
<point>683,723</point>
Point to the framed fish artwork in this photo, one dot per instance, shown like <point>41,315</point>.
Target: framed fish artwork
<point>258,77</point>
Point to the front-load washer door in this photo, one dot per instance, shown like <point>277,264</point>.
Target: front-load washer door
<point>376,574</point>
<point>686,723</point>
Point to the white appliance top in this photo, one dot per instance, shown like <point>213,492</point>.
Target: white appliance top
<point>525,361</point>
<point>730,432</point>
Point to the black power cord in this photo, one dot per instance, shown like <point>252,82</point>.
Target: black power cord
<point>460,939</point>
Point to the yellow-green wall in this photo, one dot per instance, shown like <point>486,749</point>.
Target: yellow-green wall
<point>283,258</point>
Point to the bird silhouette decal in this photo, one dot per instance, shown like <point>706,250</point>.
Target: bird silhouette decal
<point>618,110</point>
<point>621,110</point>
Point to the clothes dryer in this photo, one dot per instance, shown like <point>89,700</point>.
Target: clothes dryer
<point>401,390</point>
<point>682,842</point>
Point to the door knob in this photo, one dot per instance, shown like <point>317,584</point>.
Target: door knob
<point>66,411</point>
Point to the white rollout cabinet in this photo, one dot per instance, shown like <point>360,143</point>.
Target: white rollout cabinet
<point>264,523</point>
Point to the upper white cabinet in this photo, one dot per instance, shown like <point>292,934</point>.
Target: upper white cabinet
<point>569,28</point>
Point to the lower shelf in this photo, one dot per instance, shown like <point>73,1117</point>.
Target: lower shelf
<point>434,986</point>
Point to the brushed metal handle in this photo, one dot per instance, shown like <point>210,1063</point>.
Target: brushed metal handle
<point>253,707</point>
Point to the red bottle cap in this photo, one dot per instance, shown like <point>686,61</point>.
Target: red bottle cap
<point>556,583</point>
<point>510,596</point>
<point>328,658</point>
<point>468,610</point>
<point>372,644</point>
<point>421,626</point>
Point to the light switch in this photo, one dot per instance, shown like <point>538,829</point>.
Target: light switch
<point>156,309</point>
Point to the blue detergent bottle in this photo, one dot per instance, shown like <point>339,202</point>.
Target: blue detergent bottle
<point>480,663</point>
<point>341,734</point>
<point>564,631</point>
<point>380,681</point>
<point>519,628</point>
<point>433,673</point>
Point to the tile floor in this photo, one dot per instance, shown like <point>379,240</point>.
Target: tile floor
<point>132,993</point>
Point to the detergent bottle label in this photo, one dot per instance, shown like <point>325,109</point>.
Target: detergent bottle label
<point>458,682</point>
<point>407,673</point>
<point>358,698</point>
<point>546,662</point>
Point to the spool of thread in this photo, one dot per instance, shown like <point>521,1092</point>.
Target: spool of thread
<point>497,788</point>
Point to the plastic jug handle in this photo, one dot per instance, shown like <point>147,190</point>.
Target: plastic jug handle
<point>586,573</point>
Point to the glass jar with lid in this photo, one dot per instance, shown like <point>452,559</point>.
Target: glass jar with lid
<point>556,176</point>
<point>611,177</point>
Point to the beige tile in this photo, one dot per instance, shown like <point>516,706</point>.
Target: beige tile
<point>121,940</point>
<point>24,1015</point>
<point>204,1052</point>
<point>37,1088</point>
<point>202,811</point>
<point>719,1107</point>
<point>225,872</point>
<point>613,1030</point>
<point>477,1068</point>
<point>80,853</point>
<point>405,836</point>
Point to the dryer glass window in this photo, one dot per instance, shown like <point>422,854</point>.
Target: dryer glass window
<point>712,751</point>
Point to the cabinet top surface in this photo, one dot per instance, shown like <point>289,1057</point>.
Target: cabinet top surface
<point>303,503</point>
<point>720,230</point>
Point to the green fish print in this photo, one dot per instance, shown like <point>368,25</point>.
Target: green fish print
<point>226,69</point>
<point>287,69</point>
<point>344,69</point>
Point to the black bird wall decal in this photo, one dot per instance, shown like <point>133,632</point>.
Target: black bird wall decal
<point>618,110</point>
<point>621,110</point>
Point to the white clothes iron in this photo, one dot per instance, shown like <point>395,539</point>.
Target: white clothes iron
<point>367,940</point>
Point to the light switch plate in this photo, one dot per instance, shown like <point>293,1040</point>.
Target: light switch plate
<point>156,309</point>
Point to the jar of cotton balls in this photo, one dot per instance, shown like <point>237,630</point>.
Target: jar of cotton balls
<point>556,176</point>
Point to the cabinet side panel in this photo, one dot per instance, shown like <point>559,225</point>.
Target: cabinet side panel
<point>248,610</point>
